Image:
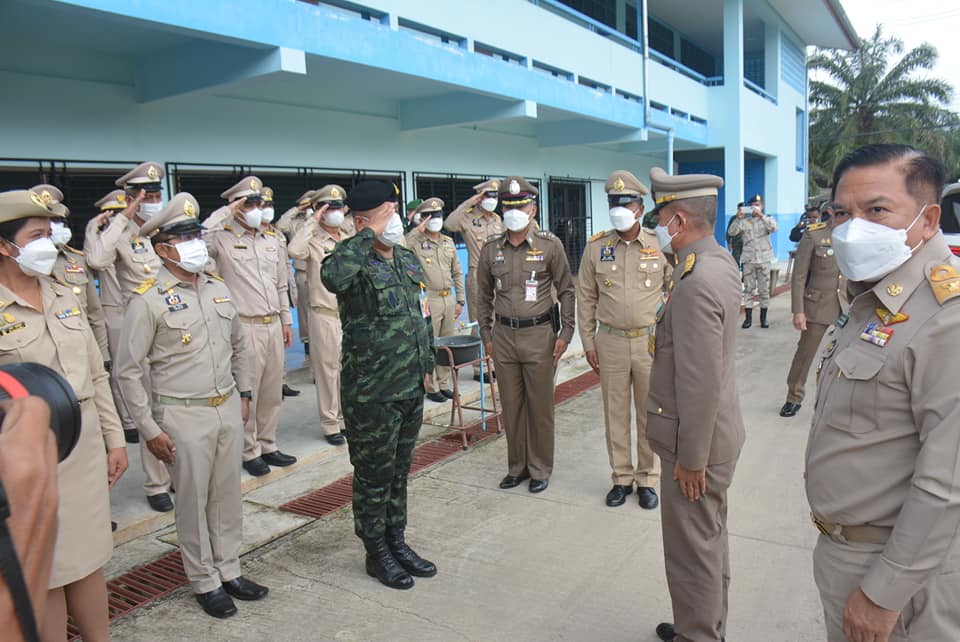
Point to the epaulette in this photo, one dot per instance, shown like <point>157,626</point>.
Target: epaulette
<point>494,237</point>
<point>214,275</point>
<point>816,226</point>
<point>269,232</point>
<point>146,285</point>
<point>546,234</point>
<point>166,286</point>
<point>226,226</point>
<point>73,250</point>
<point>647,230</point>
<point>688,264</point>
<point>598,235</point>
<point>945,281</point>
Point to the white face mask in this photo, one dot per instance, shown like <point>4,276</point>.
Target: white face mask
<point>37,257</point>
<point>435,224</point>
<point>868,251</point>
<point>149,210</point>
<point>253,218</point>
<point>193,255</point>
<point>664,238</point>
<point>333,218</point>
<point>60,234</point>
<point>489,203</point>
<point>622,219</point>
<point>393,233</point>
<point>516,220</point>
<point>266,215</point>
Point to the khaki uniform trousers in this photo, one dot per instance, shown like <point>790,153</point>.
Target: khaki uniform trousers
<point>931,614</point>
<point>524,361</point>
<point>156,478</point>
<point>756,276</point>
<point>697,555</point>
<point>265,345</point>
<point>807,348</point>
<point>442,314</point>
<point>303,305</point>
<point>206,472</point>
<point>625,364</point>
<point>325,364</point>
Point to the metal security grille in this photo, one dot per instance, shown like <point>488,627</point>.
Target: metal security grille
<point>570,216</point>
<point>207,182</point>
<point>82,182</point>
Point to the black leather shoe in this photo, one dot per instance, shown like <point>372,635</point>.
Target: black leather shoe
<point>131,436</point>
<point>748,318</point>
<point>512,482</point>
<point>666,632</point>
<point>243,589</point>
<point>436,396</point>
<point>618,495</point>
<point>381,564</point>
<point>407,557</point>
<point>647,497</point>
<point>256,467</point>
<point>279,459</point>
<point>290,392</point>
<point>336,439</point>
<point>217,603</point>
<point>789,409</point>
<point>447,393</point>
<point>160,503</point>
<point>538,485</point>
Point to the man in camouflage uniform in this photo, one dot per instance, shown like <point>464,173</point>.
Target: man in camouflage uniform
<point>388,354</point>
<point>755,230</point>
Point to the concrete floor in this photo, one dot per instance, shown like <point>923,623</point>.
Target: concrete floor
<point>516,566</point>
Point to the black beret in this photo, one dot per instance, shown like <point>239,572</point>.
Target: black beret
<point>369,195</point>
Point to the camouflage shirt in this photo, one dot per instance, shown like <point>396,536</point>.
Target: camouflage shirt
<point>387,343</point>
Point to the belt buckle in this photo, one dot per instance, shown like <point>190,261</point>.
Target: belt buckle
<point>633,333</point>
<point>216,401</point>
<point>267,319</point>
<point>820,525</point>
<point>514,323</point>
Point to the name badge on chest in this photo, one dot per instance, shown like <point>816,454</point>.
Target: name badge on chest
<point>175,303</point>
<point>138,246</point>
<point>530,288</point>
<point>606,253</point>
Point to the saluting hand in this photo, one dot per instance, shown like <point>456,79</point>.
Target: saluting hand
<point>235,206</point>
<point>864,621</point>
<point>317,213</point>
<point>116,465</point>
<point>594,360</point>
<point>558,349</point>
<point>134,205</point>
<point>693,483</point>
<point>163,448</point>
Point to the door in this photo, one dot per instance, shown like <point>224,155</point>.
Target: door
<point>570,217</point>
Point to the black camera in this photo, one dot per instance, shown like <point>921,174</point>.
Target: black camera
<point>19,380</point>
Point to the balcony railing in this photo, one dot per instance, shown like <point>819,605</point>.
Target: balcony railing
<point>670,63</point>
<point>760,91</point>
<point>589,23</point>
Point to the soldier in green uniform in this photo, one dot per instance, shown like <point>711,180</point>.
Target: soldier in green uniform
<point>388,354</point>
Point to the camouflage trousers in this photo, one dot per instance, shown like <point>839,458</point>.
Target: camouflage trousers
<point>381,438</point>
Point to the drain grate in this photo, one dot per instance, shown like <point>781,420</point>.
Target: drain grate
<point>159,578</point>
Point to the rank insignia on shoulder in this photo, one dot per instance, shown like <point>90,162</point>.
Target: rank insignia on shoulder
<point>688,264</point>
<point>9,318</point>
<point>889,318</point>
<point>146,285</point>
<point>945,281</point>
<point>816,226</point>
<point>221,299</point>
<point>878,335</point>
<point>598,235</point>
<point>607,253</point>
<point>214,275</point>
<point>13,327</point>
<point>69,312</point>
<point>269,233</point>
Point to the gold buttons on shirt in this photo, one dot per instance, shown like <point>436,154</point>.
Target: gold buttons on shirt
<point>147,269</point>
<point>647,283</point>
<point>76,290</point>
<point>659,411</point>
<point>613,268</point>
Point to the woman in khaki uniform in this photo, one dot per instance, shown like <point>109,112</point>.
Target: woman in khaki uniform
<point>42,321</point>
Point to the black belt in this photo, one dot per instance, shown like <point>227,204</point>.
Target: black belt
<point>515,323</point>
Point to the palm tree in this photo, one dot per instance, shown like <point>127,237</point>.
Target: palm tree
<point>875,94</point>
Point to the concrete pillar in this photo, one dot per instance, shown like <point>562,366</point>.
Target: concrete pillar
<point>771,59</point>
<point>731,121</point>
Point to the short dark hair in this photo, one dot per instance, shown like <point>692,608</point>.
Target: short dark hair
<point>9,229</point>
<point>924,174</point>
<point>811,208</point>
<point>703,208</point>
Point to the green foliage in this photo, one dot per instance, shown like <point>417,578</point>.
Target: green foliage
<point>878,94</point>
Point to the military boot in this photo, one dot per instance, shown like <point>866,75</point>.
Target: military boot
<point>748,321</point>
<point>763,318</point>
<point>408,559</point>
<point>382,565</point>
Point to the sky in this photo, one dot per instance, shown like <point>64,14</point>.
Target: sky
<point>915,22</point>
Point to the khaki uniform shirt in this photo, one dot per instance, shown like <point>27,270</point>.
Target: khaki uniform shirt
<point>312,243</point>
<point>885,439</point>
<point>217,218</point>
<point>71,270</point>
<point>693,411</point>
<point>619,284</point>
<point>120,245</point>
<point>110,295</point>
<point>504,271</point>
<point>440,262</point>
<point>289,223</point>
<point>190,337</point>
<point>755,233</point>
<point>475,227</point>
<point>254,266</point>
<point>815,286</point>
